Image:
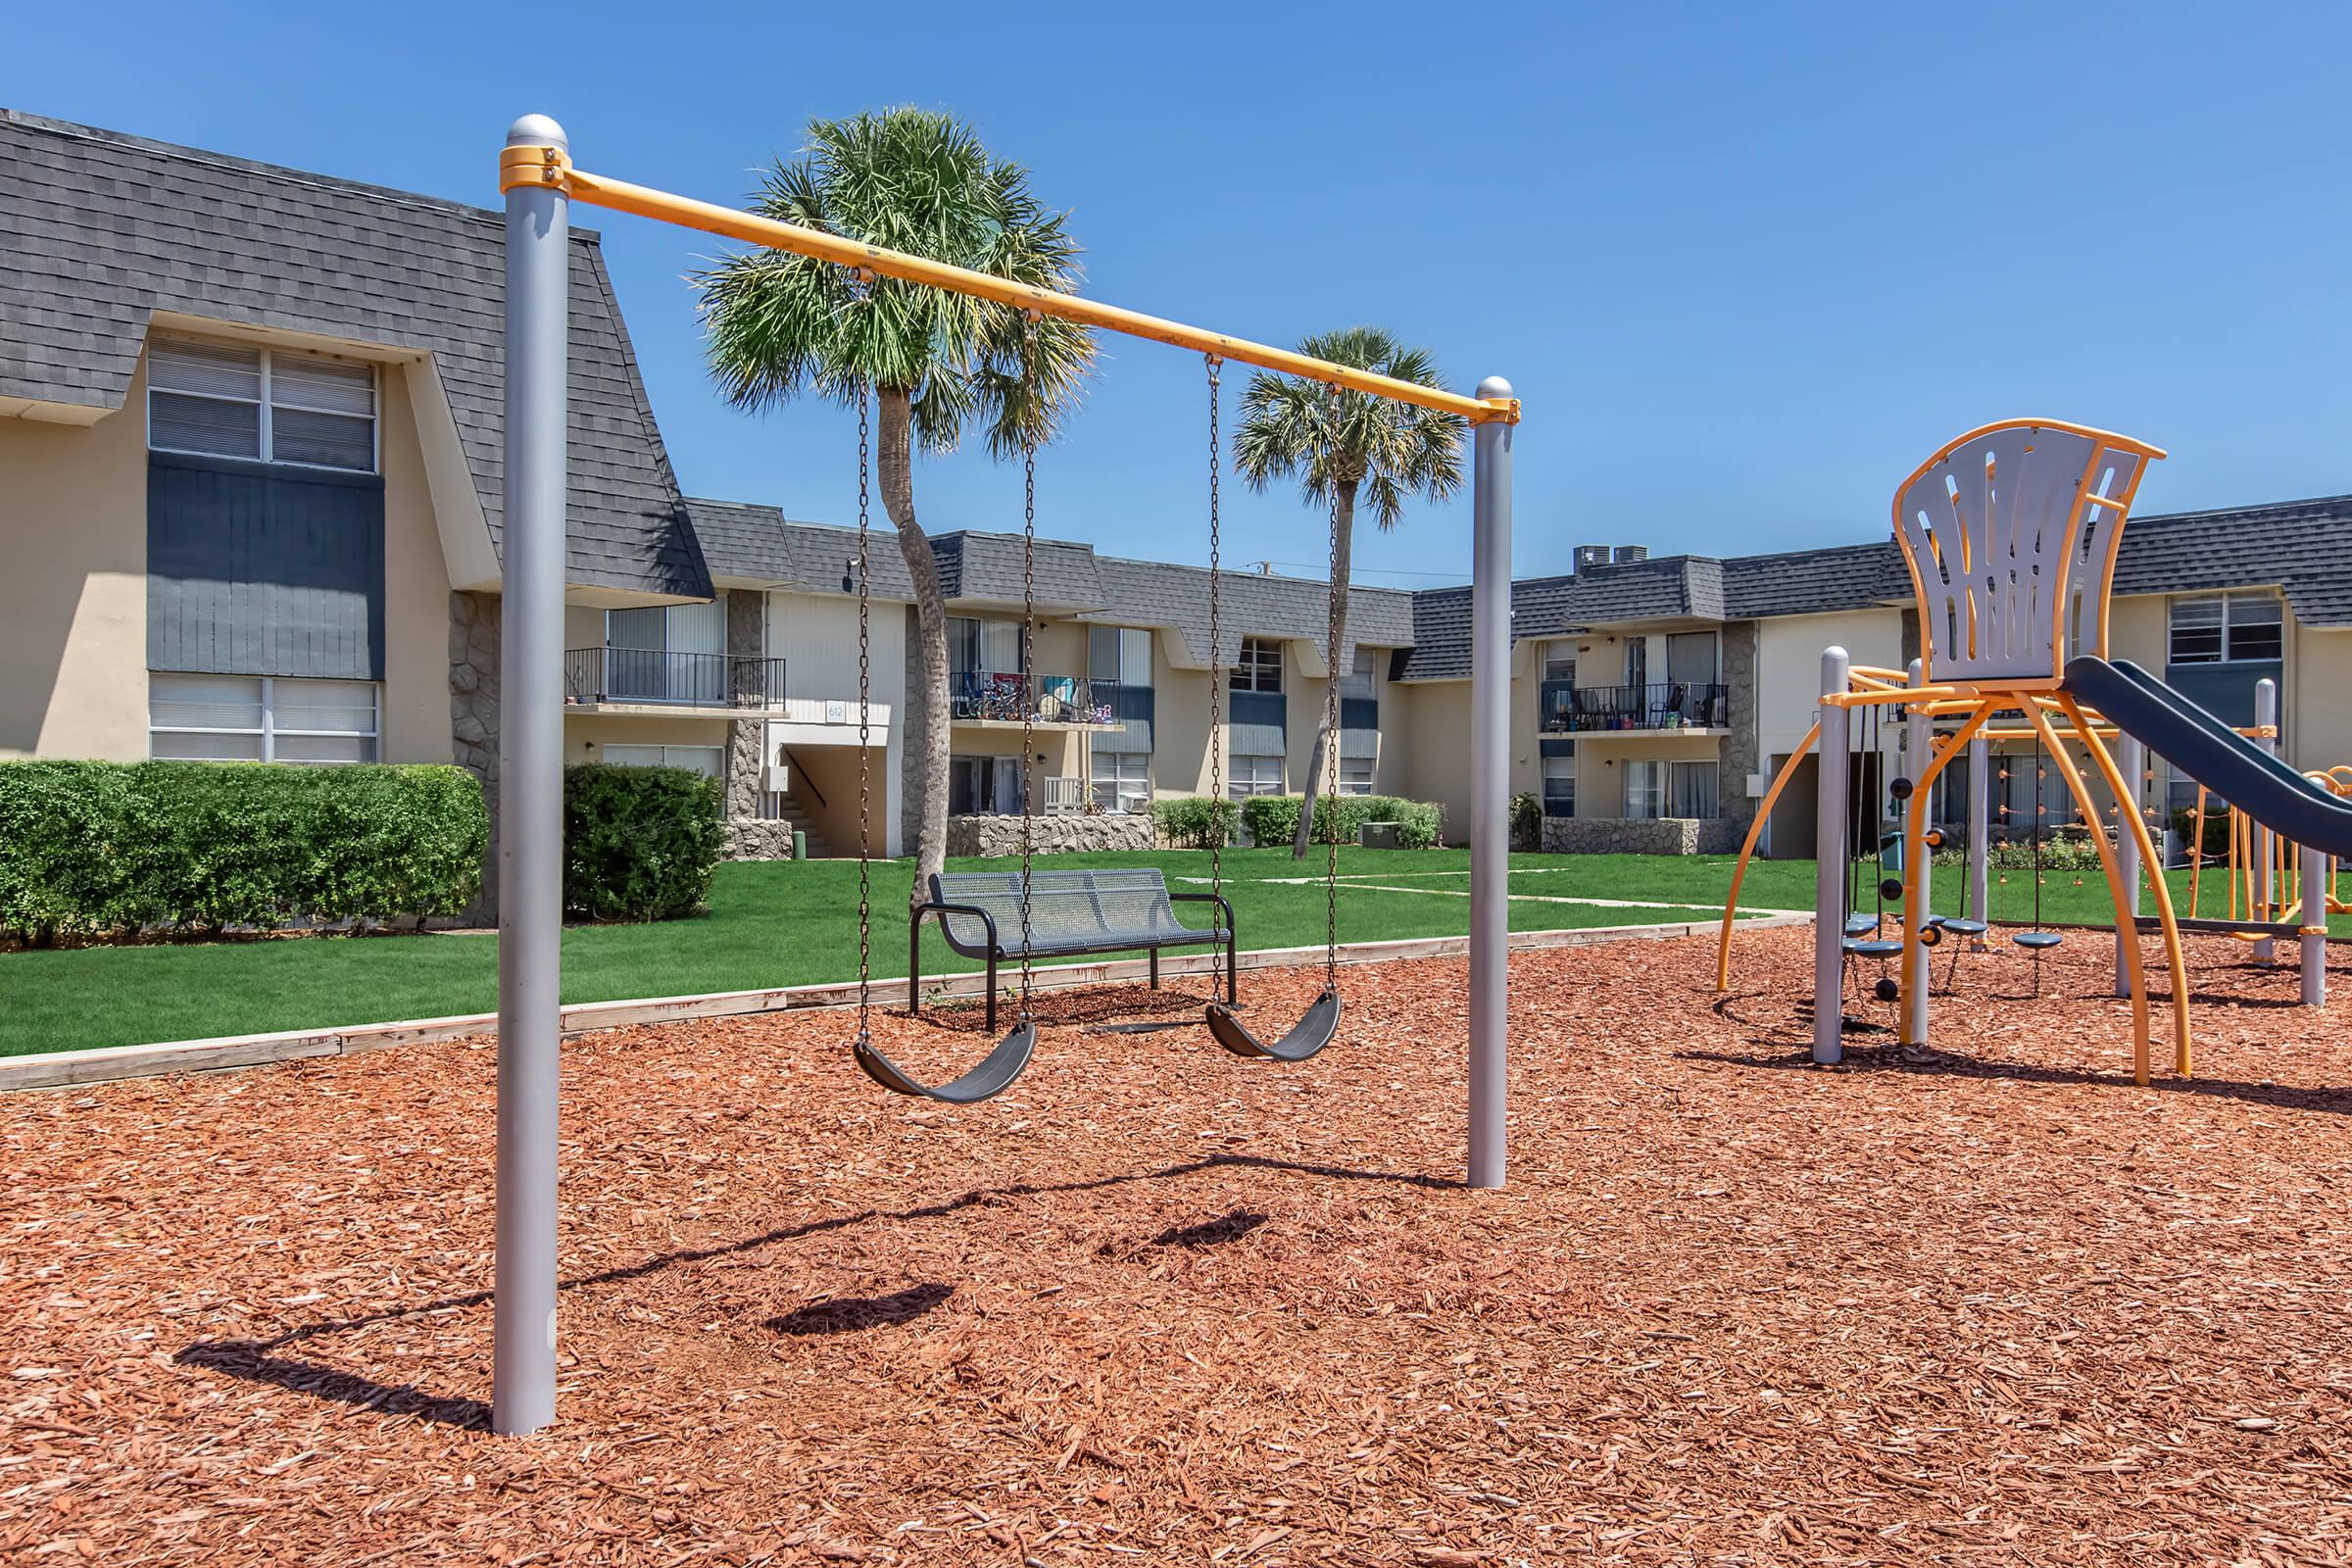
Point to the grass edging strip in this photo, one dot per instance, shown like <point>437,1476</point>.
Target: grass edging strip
<point>62,1069</point>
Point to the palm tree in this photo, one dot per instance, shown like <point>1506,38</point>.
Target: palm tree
<point>1344,449</point>
<point>779,325</point>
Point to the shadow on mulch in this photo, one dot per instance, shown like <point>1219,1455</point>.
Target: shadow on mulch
<point>1061,1009</point>
<point>1211,1232</point>
<point>1890,1057</point>
<point>847,1314</point>
<point>253,1361</point>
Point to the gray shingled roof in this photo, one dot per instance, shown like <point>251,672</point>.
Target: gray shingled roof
<point>742,539</point>
<point>1815,582</point>
<point>987,568</point>
<point>1250,605</point>
<point>2303,546</point>
<point>101,230</point>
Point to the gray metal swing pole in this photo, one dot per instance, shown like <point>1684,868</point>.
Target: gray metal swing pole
<point>1489,786</point>
<point>2311,877</point>
<point>1979,831</point>
<point>2131,761</point>
<point>1830,829</point>
<point>531,795</point>
<point>2265,716</point>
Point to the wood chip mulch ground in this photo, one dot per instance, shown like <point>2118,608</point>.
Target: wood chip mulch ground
<point>1987,1302</point>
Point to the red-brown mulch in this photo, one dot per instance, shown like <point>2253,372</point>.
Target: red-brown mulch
<point>1985,1303</point>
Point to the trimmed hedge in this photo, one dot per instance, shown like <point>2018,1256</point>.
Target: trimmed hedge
<point>1192,821</point>
<point>640,842</point>
<point>1274,818</point>
<point>107,849</point>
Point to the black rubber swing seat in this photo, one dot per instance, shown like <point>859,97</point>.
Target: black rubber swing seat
<point>993,1076</point>
<point>2035,939</point>
<point>1874,949</point>
<point>1861,925</point>
<point>1311,1032</point>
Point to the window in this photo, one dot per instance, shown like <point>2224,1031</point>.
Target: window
<point>1123,781</point>
<point>986,647</point>
<point>1360,683</point>
<point>1645,789</point>
<point>709,761</point>
<point>1692,657</point>
<point>260,718</point>
<point>666,653</point>
<point>1260,668</point>
<point>2226,629</point>
<point>1355,778</point>
<point>1691,790</point>
<point>1121,655</point>
<point>984,786</point>
<point>1671,789</point>
<point>272,405</point>
<point>1253,775</point>
<point>1559,786</point>
<point>1559,662</point>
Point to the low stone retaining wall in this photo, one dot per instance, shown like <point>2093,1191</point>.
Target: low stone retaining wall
<point>1051,835</point>
<point>752,837</point>
<point>1621,835</point>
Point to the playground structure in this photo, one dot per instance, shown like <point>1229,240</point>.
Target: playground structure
<point>2263,868</point>
<point>2010,533</point>
<point>540,182</point>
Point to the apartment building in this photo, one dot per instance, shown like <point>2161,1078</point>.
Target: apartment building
<point>250,465</point>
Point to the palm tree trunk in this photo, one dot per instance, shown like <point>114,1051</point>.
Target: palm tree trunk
<point>1325,739</point>
<point>925,765</point>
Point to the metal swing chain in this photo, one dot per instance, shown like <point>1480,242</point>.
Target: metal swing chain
<point>865,813</point>
<point>1216,690</point>
<point>1331,719</point>
<point>1033,688</point>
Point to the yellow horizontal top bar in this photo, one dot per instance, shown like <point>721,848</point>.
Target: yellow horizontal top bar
<point>547,166</point>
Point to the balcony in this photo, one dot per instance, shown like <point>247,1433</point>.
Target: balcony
<point>1566,709</point>
<point>652,677</point>
<point>1001,697</point>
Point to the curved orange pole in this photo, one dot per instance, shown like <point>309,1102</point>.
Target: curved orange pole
<point>2132,966</point>
<point>2175,964</point>
<point>1756,830</point>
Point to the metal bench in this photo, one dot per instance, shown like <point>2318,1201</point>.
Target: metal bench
<point>1072,913</point>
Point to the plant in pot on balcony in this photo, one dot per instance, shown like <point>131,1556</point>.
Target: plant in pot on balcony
<point>779,325</point>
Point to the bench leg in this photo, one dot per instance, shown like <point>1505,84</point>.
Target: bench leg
<point>992,992</point>
<point>1233,979</point>
<point>1154,968</point>
<point>914,966</point>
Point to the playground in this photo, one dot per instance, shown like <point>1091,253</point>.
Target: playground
<point>1986,1301</point>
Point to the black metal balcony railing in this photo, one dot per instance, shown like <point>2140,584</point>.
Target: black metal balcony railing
<point>1007,697</point>
<point>681,681</point>
<point>1568,709</point>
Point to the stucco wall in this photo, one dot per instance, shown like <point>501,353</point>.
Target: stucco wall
<point>1789,665</point>
<point>1600,759</point>
<point>416,714</point>
<point>73,638</point>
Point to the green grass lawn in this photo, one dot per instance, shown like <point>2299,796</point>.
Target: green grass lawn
<point>778,924</point>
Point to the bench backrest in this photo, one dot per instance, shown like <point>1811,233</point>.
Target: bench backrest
<point>1063,906</point>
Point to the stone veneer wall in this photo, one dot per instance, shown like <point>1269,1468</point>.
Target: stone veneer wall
<point>1051,835</point>
<point>1621,835</point>
<point>475,619</point>
<point>1741,754</point>
<point>751,838</point>
<point>747,737</point>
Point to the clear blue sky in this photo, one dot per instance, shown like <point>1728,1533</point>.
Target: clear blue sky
<point>1746,264</point>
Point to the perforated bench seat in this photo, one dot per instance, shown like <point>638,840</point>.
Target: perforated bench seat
<point>1071,914</point>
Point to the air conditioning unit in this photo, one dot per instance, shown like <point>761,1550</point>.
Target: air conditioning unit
<point>1380,835</point>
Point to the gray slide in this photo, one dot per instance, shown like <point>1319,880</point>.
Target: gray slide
<point>2214,754</point>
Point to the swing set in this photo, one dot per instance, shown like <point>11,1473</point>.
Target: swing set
<point>540,182</point>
